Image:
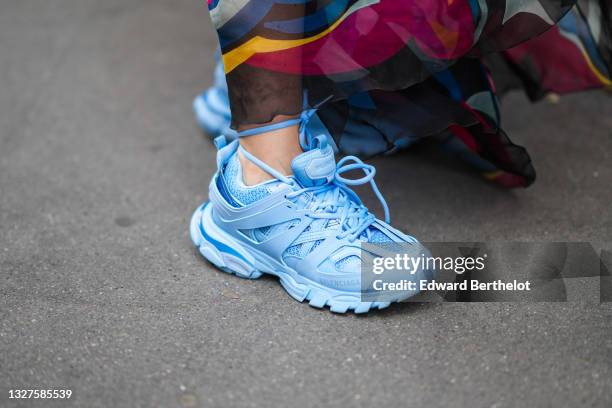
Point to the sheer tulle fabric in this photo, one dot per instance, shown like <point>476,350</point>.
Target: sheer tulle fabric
<point>393,71</point>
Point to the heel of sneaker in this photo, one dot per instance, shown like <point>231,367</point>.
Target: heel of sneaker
<point>218,253</point>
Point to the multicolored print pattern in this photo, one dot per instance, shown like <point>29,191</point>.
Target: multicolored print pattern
<point>393,71</point>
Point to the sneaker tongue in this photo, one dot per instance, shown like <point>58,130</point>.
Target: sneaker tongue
<point>315,167</point>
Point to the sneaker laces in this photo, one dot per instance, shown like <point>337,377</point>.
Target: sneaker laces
<point>305,136</point>
<point>335,200</point>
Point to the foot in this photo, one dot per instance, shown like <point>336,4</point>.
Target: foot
<point>306,229</point>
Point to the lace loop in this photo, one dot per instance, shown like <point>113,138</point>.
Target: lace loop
<point>304,133</point>
<point>334,199</point>
<point>370,172</point>
<point>338,201</point>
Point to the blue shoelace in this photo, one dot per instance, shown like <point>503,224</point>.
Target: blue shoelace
<point>333,200</point>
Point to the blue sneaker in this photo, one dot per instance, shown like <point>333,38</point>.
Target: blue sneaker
<point>211,107</point>
<point>306,229</point>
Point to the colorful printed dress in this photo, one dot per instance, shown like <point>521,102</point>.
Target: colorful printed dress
<point>384,73</point>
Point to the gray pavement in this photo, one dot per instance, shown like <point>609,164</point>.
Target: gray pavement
<point>101,292</point>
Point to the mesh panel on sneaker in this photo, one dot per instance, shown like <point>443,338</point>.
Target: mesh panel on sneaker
<point>348,264</point>
<point>294,250</point>
<point>305,248</point>
<point>301,250</point>
<point>264,233</point>
<point>316,244</point>
<point>238,190</point>
<point>377,237</point>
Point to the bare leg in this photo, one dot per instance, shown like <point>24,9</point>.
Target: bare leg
<point>276,148</point>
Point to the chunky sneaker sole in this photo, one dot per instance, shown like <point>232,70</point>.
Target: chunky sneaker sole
<point>232,257</point>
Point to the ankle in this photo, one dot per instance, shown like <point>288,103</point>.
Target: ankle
<point>253,174</point>
<point>276,148</point>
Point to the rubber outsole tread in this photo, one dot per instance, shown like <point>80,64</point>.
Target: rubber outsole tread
<point>315,296</point>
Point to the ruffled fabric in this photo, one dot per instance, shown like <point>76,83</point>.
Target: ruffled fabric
<point>390,72</point>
